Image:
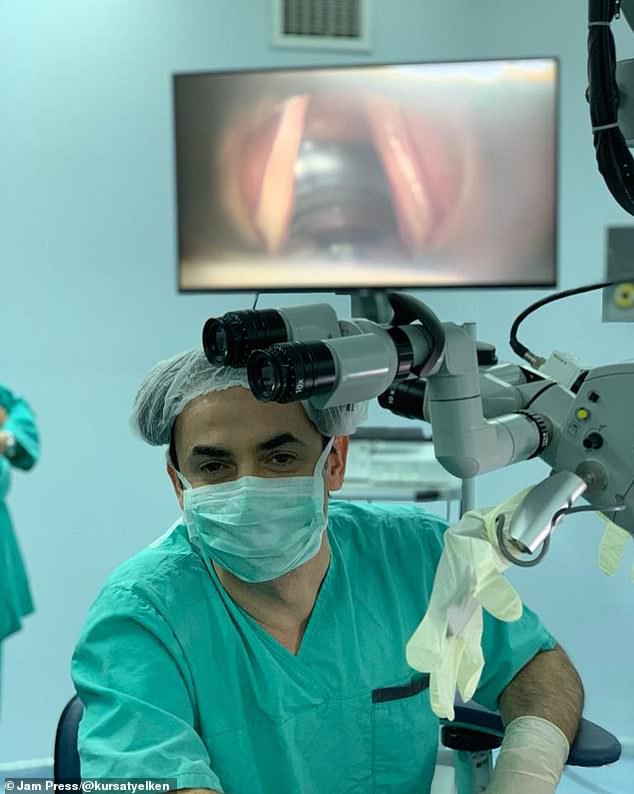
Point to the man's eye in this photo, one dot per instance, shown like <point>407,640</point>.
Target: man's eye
<point>213,467</point>
<point>283,459</point>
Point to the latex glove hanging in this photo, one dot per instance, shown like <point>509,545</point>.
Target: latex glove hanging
<point>448,642</point>
<point>612,546</point>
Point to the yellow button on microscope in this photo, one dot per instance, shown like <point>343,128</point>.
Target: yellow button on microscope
<point>582,414</point>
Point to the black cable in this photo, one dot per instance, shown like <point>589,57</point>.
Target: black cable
<point>549,385</point>
<point>614,158</point>
<point>255,300</point>
<point>527,354</point>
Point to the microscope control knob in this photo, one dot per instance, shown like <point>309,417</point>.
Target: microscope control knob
<point>593,441</point>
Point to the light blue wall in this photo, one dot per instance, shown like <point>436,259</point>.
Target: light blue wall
<point>89,303</point>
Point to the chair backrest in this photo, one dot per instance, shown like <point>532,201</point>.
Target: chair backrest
<point>66,766</point>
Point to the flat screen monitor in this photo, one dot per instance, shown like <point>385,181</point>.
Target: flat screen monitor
<point>397,176</point>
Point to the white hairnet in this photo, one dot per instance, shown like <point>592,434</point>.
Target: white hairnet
<point>173,383</point>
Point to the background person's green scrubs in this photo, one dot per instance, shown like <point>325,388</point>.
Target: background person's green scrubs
<point>179,682</point>
<point>15,596</point>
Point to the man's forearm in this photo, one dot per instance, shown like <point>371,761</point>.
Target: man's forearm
<point>547,687</point>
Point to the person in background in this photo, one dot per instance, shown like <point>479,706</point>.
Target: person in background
<point>19,448</point>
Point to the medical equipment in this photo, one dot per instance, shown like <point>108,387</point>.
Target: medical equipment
<point>397,464</point>
<point>484,414</point>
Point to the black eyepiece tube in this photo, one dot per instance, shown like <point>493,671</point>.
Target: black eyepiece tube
<point>268,375</point>
<point>215,340</point>
<point>405,398</point>
<point>232,338</point>
<point>407,310</point>
<point>291,372</point>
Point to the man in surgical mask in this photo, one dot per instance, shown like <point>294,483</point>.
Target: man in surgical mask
<point>259,645</point>
<point>254,499</point>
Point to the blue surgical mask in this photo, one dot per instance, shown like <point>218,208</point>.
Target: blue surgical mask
<point>258,528</point>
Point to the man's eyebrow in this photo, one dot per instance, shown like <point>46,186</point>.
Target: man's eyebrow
<point>279,440</point>
<point>210,452</point>
<point>206,450</point>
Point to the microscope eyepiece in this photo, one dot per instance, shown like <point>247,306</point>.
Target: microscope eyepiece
<point>232,338</point>
<point>215,340</point>
<point>405,398</point>
<point>293,371</point>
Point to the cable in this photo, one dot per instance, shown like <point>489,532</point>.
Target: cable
<point>255,300</point>
<point>566,511</point>
<point>527,354</point>
<point>614,159</point>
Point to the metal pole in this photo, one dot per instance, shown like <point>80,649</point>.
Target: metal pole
<point>468,491</point>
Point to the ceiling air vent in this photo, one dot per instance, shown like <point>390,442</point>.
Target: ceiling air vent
<point>322,24</point>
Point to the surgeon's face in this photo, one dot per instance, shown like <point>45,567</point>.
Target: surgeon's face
<point>229,434</point>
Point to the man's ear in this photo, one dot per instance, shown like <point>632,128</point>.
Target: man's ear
<point>336,463</point>
<point>176,483</point>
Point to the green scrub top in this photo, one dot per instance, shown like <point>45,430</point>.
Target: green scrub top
<point>15,596</point>
<point>179,682</point>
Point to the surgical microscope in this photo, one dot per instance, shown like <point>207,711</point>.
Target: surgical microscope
<point>484,414</point>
